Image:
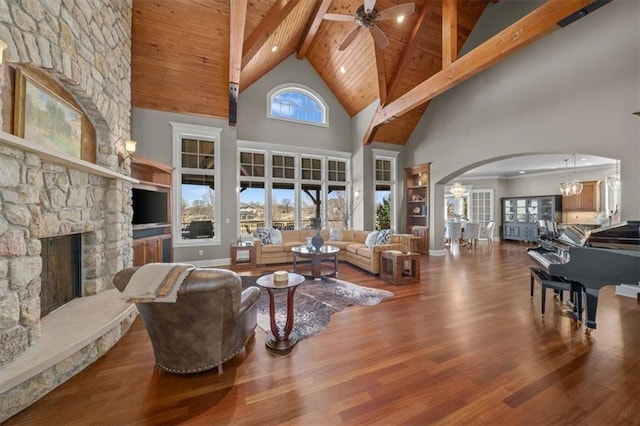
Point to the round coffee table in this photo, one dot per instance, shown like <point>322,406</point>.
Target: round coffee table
<point>281,341</point>
<point>324,261</point>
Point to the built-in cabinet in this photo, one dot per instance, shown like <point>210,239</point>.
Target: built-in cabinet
<point>417,201</point>
<point>151,212</point>
<point>587,201</point>
<point>520,215</point>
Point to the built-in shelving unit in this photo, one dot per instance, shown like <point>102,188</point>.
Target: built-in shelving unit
<point>151,212</point>
<point>417,201</point>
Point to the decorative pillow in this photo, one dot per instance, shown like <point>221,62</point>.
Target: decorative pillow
<point>275,235</point>
<point>371,239</point>
<point>335,234</point>
<point>347,235</point>
<point>384,236</point>
<point>264,235</point>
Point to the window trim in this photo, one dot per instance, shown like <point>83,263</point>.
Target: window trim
<point>180,131</point>
<point>298,152</point>
<point>384,154</point>
<point>301,89</point>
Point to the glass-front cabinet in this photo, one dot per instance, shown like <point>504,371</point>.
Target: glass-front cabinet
<point>520,215</point>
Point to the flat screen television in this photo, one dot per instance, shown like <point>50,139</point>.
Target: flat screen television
<point>149,206</point>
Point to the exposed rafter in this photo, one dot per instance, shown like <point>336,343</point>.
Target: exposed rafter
<point>382,79</point>
<point>312,27</point>
<point>449,33</point>
<point>238,16</point>
<point>259,36</point>
<point>527,30</point>
<point>403,62</point>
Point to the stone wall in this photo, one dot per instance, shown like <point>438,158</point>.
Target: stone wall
<point>85,45</point>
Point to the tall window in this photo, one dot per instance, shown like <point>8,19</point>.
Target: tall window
<point>252,191</point>
<point>197,163</point>
<point>302,190</point>
<point>297,103</point>
<point>385,183</point>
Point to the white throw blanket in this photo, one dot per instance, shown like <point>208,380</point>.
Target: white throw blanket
<point>156,282</point>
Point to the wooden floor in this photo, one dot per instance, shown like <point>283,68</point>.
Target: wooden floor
<point>465,346</point>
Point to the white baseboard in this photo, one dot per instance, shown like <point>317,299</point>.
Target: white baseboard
<point>437,252</point>
<point>628,290</point>
<point>209,263</point>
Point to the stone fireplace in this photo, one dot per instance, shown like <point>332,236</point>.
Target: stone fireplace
<point>85,47</point>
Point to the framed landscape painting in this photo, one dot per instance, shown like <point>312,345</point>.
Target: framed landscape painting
<point>45,118</point>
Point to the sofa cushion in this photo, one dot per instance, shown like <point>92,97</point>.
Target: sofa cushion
<point>364,252</point>
<point>264,235</point>
<point>347,235</point>
<point>290,244</point>
<point>273,248</point>
<point>353,247</point>
<point>372,239</point>
<point>384,236</point>
<point>275,235</point>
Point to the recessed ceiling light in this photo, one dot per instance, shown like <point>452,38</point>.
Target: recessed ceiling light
<point>400,19</point>
<point>583,159</point>
<point>274,48</point>
<point>343,69</point>
<point>522,172</point>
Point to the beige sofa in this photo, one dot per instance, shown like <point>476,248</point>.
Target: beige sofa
<point>352,248</point>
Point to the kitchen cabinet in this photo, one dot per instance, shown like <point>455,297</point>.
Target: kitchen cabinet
<point>587,201</point>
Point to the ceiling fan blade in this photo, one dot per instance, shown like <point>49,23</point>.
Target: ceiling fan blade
<point>349,38</point>
<point>395,11</point>
<point>338,17</point>
<point>378,37</point>
<point>369,5</point>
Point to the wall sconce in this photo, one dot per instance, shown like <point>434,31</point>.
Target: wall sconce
<point>129,149</point>
<point>3,46</point>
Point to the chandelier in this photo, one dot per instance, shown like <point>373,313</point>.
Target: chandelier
<point>570,187</point>
<point>458,190</point>
<point>613,181</point>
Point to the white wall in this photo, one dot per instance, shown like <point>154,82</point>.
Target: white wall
<point>253,124</point>
<point>574,91</point>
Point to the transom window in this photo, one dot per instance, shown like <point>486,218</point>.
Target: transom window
<point>283,166</point>
<point>297,103</point>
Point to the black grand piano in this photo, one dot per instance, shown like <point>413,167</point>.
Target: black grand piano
<point>585,261</point>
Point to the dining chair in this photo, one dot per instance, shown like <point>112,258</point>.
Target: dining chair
<point>486,232</point>
<point>471,233</point>
<point>453,232</point>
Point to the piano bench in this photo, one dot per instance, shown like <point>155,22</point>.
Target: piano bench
<point>560,285</point>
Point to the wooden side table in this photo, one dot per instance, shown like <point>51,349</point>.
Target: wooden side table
<point>400,268</point>
<point>242,264</point>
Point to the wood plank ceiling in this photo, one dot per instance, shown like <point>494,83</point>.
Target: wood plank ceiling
<point>181,60</point>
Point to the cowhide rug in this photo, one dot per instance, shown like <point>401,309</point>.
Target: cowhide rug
<point>314,303</point>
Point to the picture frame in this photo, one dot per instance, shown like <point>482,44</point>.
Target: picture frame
<point>43,117</point>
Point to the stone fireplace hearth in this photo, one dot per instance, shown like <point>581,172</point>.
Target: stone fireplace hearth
<point>84,47</point>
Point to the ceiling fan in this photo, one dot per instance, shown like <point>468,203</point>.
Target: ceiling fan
<point>366,16</point>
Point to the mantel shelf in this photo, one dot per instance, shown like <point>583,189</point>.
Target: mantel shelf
<point>62,159</point>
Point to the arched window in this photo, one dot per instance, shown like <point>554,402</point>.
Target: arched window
<point>297,103</point>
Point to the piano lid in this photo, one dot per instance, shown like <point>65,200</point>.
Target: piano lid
<point>625,235</point>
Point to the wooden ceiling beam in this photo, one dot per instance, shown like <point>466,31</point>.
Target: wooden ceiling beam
<point>449,33</point>
<point>405,59</point>
<point>259,36</point>
<point>409,48</point>
<point>522,33</point>
<point>238,16</point>
<point>382,79</point>
<point>312,27</point>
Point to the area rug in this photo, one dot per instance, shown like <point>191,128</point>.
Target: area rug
<point>314,303</point>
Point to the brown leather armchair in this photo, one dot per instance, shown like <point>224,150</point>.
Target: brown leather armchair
<point>211,321</point>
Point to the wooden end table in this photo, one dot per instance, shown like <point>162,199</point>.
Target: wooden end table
<point>237,265</point>
<point>281,341</point>
<point>400,268</point>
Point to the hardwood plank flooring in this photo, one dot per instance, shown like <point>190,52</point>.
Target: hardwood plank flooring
<point>467,345</point>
